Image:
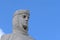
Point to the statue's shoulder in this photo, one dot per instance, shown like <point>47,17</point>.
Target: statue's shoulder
<point>5,37</point>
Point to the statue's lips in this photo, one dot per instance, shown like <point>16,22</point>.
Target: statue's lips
<point>25,27</point>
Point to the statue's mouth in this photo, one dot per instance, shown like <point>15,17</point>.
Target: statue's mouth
<point>25,27</point>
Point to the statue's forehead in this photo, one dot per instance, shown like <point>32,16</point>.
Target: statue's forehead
<point>20,12</point>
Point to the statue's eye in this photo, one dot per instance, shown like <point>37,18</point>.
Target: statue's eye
<point>24,16</point>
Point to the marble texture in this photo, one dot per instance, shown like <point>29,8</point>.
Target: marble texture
<point>20,26</point>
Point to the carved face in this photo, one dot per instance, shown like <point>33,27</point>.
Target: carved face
<point>20,21</point>
<point>23,20</point>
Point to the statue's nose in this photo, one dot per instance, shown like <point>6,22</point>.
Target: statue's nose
<point>26,19</point>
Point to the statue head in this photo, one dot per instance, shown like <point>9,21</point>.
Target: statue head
<point>20,20</point>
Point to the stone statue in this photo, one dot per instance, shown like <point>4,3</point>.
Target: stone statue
<point>20,26</point>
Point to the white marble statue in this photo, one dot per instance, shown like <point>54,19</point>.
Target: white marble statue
<point>20,26</point>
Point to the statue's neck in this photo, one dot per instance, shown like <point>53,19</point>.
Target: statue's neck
<point>20,31</point>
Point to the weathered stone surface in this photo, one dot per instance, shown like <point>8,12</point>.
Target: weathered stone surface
<point>20,26</point>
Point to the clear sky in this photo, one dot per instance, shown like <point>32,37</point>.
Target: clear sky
<point>44,23</point>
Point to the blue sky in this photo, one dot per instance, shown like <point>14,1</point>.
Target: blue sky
<point>44,23</point>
